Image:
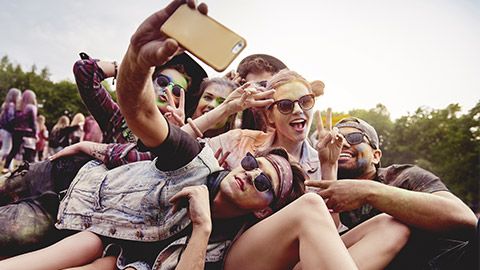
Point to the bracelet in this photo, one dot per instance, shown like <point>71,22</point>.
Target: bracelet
<point>116,72</point>
<point>194,127</point>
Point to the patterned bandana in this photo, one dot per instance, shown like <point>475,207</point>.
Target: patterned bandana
<point>284,171</point>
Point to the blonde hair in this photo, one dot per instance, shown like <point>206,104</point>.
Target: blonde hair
<point>63,122</point>
<point>41,122</point>
<point>28,98</point>
<point>78,119</point>
<point>13,96</point>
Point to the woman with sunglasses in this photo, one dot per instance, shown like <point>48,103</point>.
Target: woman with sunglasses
<point>288,119</point>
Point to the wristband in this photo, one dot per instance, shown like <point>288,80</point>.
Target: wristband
<point>194,127</point>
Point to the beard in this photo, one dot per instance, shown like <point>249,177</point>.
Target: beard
<point>352,172</point>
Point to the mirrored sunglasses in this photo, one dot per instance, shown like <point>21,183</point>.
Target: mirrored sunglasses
<point>262,182</point>
<point>161,82</point>
<point>285,106</point>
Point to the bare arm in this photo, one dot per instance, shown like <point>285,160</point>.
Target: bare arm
<point>136,97</point>
<point>199,212</point>
<point>93,149</point>
<point>242,98</point>
<point>439,211</point>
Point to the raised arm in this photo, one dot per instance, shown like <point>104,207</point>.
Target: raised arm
<point>242,98</point>
<point>148,48</point>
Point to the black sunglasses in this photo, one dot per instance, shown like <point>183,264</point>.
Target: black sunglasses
<point>357,138</point>
<point>161,82</point>
<point>285,106</point>
<point>262,182</point>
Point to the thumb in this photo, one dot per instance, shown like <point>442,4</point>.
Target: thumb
<point>167,51</point>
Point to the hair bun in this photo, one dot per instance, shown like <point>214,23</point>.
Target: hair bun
<point>317,87</point>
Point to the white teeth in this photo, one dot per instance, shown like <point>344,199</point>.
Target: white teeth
<point>298,121</point>
<point>345,155</point>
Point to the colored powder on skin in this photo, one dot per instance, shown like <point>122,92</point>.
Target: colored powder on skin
<point>362,160</point>
<point>361,147</point>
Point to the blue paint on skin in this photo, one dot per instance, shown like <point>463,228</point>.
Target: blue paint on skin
<point>361,147</point>
<point>362,160</point>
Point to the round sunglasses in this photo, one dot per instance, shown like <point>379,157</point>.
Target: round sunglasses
<point>357,138</point>
<point>161,82</point>
<point>262,182</point>
<point>285,106</point>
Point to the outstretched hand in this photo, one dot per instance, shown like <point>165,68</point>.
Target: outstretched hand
<point>247,96</point>
<point>149,46</point>
<point>67,151</point>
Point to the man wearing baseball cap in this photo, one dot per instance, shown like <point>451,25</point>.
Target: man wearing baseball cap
<point>410,194</point>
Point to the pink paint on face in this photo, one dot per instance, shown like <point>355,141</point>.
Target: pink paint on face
<point>293,127</point>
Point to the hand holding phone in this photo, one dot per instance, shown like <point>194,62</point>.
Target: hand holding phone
<point>207,39</point>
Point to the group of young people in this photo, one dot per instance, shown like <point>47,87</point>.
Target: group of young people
<point>218,173</point>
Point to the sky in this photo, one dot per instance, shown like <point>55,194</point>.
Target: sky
<point>403,54</point>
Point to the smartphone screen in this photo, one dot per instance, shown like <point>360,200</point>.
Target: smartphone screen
<point>207,39</point>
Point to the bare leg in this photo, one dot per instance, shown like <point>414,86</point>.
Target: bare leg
<point>106,263</point>
<point>374,243</point>
<point>303,230</point>
<point>78,249</point>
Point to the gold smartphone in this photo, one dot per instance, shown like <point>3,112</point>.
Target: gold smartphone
<point>207,39</point>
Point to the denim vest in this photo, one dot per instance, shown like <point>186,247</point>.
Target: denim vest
<point>131,201</point>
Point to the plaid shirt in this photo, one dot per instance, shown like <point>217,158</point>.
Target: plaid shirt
<point>89,76</point>
<point>121,149</point>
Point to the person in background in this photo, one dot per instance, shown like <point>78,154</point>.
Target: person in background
<point>7,116</point>
<point>93,133</point>
<point>214,92</point>
<point>24,131</point>
<point>58,138</point>
<point>42,137</point>
<point>78,133</point>
<point>257,68</point>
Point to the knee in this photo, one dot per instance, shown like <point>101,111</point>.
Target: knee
<point>397,232</point>
<point>310,207</point>
<point>90,243</point>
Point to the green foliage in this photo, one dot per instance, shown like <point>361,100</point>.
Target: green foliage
<point>54,99</point>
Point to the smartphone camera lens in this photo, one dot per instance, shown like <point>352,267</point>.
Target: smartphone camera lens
<point>238,47</point>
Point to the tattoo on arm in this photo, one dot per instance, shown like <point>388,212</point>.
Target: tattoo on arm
<point>98,151</point>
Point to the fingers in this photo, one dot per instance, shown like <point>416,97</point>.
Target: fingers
<point>318,117</point>
<point>167,51</point>
<point>170,98</point>
<point>203,8</point>
<point>329,119</point>
<point>264,94</point>
<point>223,161</point>
<point>320,183</point>
<point>181,101</point>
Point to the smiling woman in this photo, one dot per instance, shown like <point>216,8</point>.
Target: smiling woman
<point>288,120</point>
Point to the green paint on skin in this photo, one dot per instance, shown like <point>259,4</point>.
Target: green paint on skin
<point>182,82</point>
